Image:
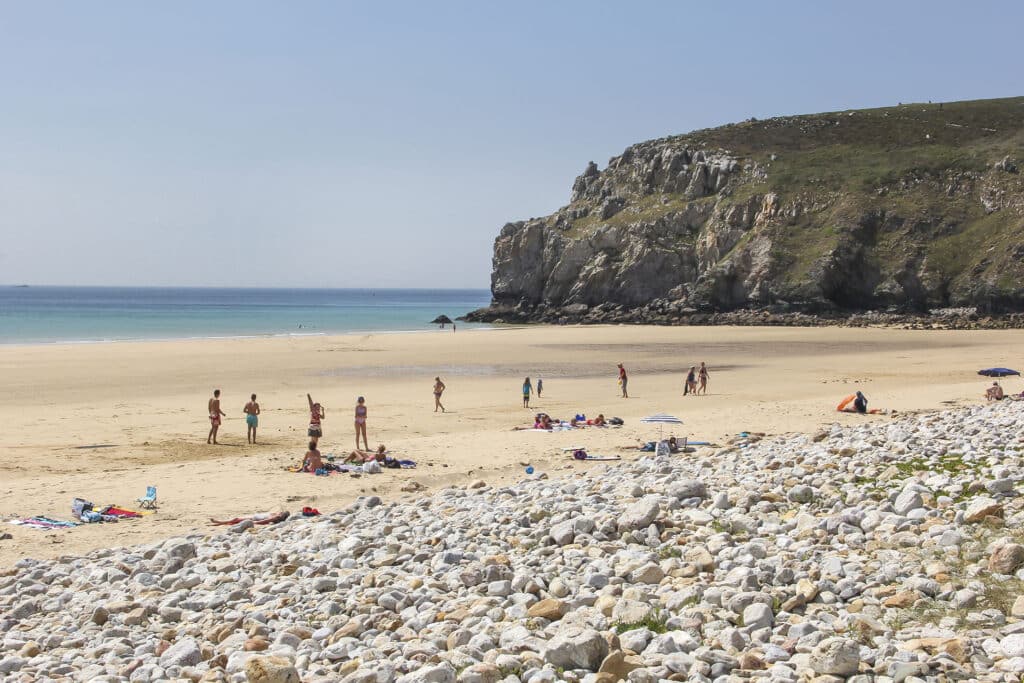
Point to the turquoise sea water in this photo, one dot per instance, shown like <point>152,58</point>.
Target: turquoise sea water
<point>33,315</point>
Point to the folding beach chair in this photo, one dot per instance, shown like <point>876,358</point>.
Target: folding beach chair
<point>149,500</point>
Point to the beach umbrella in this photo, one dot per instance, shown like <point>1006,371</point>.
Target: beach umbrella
<point>998,372</point>
<point>441,320</point>
<point>661,419</point>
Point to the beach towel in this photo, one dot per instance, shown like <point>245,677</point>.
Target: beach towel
<point>598,458</point>
<point>41,522</point>
<point>115,511</point>
<point>125,512</point>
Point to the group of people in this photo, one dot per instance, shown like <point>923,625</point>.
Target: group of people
<point>696,380</point>
<point>317,415</point>
<point>694,376</point>
<point>528,390</point>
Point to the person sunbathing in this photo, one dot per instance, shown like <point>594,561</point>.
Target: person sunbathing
<point>259,518</point>
<point>359,456</point>
<point>311,461</point>
<point>598,421</point>
<point>994,393</point>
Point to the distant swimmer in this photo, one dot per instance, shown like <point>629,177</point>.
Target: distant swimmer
<point>215,413</point>
<point>361,422</point>
<point>316,414</point>
<point>439,388</point>
<point>252,419</point>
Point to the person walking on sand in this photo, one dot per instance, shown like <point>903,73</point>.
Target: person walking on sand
<point>623,381</point>
<point>691,381</point>
<point>252,419</point>
<point>540,387</point>
<point>361,422</point>
<point>702,375</point>
<point>439,388</point>
<point>215,413</point>
<point>527,390</point>
<point>316,414</point>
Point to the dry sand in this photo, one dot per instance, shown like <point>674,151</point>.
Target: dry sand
<point>103,421</point>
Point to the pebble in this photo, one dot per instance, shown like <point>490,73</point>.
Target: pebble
<point>806,559</point>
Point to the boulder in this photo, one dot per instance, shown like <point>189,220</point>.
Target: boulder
<point>640,514</point>
<point>576,648</point>
<point>835,656</point>
<point>1006,558</point>
<point>271,670</point>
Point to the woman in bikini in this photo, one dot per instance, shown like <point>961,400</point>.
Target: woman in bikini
<point>702,375</point>
<point>361,422</point>
<point>439,388</point>
<point>316,414</point>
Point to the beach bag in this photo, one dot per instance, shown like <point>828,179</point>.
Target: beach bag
<point>371,467</point>
<point>615,421</point>
<point>80,506</point>
<point>579,454</point>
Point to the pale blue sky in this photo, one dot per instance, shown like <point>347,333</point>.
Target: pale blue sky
<point>384,144</point>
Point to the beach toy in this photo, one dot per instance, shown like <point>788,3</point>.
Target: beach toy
<point>529,470</point>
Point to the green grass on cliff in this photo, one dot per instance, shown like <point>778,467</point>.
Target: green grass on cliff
<point>903,181</point>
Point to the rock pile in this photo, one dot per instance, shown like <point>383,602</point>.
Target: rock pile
<point>889,551</point>
<point>665,312</point>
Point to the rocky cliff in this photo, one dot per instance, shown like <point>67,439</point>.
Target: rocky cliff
<point>905,209</point>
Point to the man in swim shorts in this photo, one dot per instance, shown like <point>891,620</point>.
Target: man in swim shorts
<point>623,380</point>
<point>252,420</point>
<point>215,413</point>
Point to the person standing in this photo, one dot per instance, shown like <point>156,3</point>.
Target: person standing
<point>623,381</point>
<point>527,390</point>
<point>252,419</point>
<point>540,386</point>
<point>702,375</point>
<point>439,388</point>
<point>691,381</point>
<point>361,422</point>
<point>215,413</point>
<point>316,414</point>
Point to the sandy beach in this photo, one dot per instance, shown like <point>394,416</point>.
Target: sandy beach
<point>103,421</point>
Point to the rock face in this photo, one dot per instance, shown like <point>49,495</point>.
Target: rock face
<point>907,208</point>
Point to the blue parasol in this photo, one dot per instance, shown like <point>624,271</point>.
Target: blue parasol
<point>998,372</point>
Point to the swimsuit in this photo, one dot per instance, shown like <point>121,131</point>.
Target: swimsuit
<point>215,419</point>
<point>252,420</point>
<point>360,415</point>
<point>314,425</point>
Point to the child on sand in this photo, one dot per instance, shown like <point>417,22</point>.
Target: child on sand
<point>311,461</point>
<point>527,390</point>
<point>316,414</point>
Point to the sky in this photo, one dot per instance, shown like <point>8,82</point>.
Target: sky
<point>384,144</point>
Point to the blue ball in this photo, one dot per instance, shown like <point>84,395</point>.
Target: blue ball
<point>529,470</point>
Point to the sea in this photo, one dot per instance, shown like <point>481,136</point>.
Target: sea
<point>63,315</point>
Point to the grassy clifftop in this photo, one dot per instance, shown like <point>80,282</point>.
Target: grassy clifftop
<point>915,206</point>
